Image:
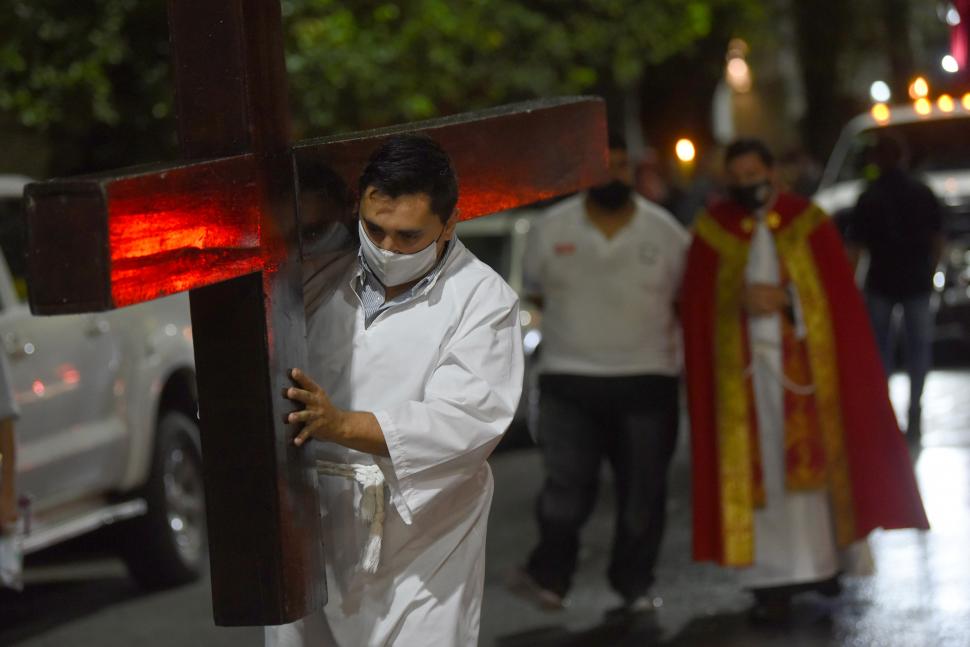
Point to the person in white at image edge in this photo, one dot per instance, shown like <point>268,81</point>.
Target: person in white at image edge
<point>10,558</point>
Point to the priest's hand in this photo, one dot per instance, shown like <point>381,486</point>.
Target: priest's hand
<point>762,299</point>
<point>321,420</point>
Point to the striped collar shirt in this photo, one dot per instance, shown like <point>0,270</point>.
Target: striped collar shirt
<point>371,293</point>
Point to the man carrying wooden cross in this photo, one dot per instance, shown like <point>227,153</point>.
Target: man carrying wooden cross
<point>415,371</point>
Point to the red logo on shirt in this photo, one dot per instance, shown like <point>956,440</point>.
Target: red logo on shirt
<point>564,249</point>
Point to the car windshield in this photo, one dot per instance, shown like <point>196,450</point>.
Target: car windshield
<point>940,145</point>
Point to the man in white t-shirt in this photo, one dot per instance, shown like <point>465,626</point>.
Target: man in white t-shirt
<point>605,267</point>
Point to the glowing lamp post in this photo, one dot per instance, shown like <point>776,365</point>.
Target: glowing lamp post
<point>685,151</point>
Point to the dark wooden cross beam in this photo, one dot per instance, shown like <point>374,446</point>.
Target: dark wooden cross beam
<point>225,224</point>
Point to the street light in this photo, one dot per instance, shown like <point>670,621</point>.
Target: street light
<point>952,16</point>
<point>919,88</point>
<point>923,106</point>
<point>685,151</point>
<point>945,103</point>
<point>880,112</point>
<point>738,74</point>
<point>950,64</point>
<point>966,101</point>
<point>880,92</point>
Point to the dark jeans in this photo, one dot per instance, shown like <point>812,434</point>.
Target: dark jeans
<point>630,421</point>
<point>917,327</point>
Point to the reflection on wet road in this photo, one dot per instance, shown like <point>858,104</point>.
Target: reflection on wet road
<point>919,595</point>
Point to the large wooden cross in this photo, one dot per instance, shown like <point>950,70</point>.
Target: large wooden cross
<point>225,224</point>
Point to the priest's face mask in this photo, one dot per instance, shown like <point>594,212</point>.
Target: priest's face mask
<point>404,237</point>
<point>751,181</point>
<point>615,194</point>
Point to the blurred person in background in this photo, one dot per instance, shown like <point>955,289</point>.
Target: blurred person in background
<point>798,173</point>
<point>9,516</point>
<point>704,185</point>
<point>655,185</point>
<point>605,267</point>
<point>796,452</point>
<point>899,222</point>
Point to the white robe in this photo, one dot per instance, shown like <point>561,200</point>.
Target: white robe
<point>793,533</point>
<point>442,374</point>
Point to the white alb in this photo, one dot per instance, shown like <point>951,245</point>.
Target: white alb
<point>443,374</point>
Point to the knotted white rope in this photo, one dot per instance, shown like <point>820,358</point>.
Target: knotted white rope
<point>759,354</point>
<point>371,480</point>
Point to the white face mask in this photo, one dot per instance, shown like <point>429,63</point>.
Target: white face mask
<point>391,268</point>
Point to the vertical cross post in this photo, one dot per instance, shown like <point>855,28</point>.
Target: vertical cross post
<point>263,519</point>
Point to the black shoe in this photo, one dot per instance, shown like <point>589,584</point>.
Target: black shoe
<point>772,612</point>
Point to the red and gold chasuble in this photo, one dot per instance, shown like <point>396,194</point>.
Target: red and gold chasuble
<point>840,431</point>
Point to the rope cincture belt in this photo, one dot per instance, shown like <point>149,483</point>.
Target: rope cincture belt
<point>759,355</point>
<point>371,480</point>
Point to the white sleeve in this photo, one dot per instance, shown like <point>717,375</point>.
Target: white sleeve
<point>532,260</point>
<point>469,402</point>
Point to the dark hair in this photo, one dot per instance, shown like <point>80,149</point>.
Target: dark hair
<point>617,142</point>
<point>747,145</point>
<point>409,164</point>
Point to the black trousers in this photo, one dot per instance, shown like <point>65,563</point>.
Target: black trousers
<point>632,423</point>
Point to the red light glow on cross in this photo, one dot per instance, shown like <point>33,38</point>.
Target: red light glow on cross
<point>540,158</point>
<point>182,229</point>
<point>483,200</point>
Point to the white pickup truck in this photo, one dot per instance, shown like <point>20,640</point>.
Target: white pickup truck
<point>108,432</point>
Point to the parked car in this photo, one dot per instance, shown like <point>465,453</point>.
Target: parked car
<point>499,241</point>
<point>108,433</point>
<point>938,146</point>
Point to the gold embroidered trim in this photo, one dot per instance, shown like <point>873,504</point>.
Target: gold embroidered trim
<point>795,253</point>
<point>732,410</point>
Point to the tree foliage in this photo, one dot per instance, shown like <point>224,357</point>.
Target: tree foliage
<point>91,75</point>
<point>84,70</point>
<point>366,63</point>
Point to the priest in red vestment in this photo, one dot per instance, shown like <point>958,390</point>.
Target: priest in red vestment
<point>797,455</point>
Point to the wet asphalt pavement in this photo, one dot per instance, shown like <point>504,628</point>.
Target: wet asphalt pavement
<point>918,597</point>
